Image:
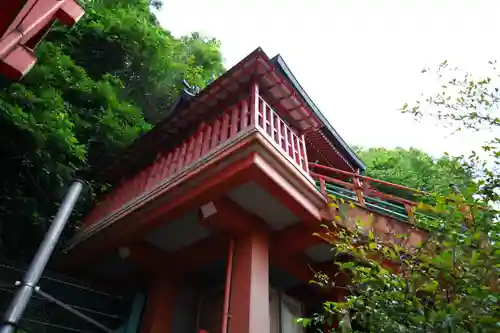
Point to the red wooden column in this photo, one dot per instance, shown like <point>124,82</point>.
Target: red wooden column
<point>254,104</point>
<point>160,305</point>
<point>249,302</point>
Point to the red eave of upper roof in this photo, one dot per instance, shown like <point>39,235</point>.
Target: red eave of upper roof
<point>23,24</point>
<point>321,150</point>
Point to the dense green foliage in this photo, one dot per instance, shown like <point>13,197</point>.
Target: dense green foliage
<point>94,89</point>
<point>416,169</point>
<point>450,282</point>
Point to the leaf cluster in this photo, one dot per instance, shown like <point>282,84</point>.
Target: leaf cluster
<point>95,88</point>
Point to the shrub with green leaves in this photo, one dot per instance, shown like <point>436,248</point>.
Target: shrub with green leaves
<point>450,283</point>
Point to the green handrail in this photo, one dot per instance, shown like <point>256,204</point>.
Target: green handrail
<point>378,205</point>
<point>371,203</point>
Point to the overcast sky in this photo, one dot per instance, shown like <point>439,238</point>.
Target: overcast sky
<point>358,60</point>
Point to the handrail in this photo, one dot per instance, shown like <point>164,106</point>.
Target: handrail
<point>383,182</point>
<point>363,192</point>
<point>370,179</point>
<point>286,139</point>
<point>372,200</point>
<point>366,189</point>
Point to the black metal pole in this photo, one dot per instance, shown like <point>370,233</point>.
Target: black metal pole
<point>42,256</point>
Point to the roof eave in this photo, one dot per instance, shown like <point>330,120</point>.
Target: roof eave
<point>329,130</point>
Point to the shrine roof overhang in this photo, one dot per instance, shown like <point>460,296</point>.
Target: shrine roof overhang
<point>274,77</point>
<point>327,130</point>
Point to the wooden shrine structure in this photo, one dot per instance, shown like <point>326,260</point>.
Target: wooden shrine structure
<point>212,212</point>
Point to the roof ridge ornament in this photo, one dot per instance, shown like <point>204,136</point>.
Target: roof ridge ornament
<point>190,90</point>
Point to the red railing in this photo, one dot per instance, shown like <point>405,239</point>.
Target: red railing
<point>362,186</point>
<point>283,136</point>
<point>364,190</point>
<point>207,139</point>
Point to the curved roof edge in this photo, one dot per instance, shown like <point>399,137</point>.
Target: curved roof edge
<point>328,129</point>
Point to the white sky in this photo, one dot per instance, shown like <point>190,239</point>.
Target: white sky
<point>358,60</point>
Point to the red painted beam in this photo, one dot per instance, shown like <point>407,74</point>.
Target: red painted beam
<point>297,265</point>
<point>27,28</point>
<point>294,239</point>
<point>199,255</point>
<point>138,224</point>
<point>294,197</point>
<point>153,260</point>
<point>229,217</point>
<point>144,255</point>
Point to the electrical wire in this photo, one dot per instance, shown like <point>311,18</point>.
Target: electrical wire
<point>54,325</point>
<point>112,316</point>
<point>65,282</point>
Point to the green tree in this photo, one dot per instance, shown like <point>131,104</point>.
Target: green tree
<point>451,282</point>
<point>416,169</point>
<point>94,89</point>
<point>468,102</point>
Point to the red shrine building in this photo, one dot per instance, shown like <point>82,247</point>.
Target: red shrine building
<point>23,24</point>
<point>213,211</point>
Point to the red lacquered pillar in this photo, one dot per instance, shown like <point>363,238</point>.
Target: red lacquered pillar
<point>249,300</point>
<point>160,304</point>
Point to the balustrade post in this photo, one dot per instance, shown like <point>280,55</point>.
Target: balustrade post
<point>175,161</point>
<point>410,212</point>
<point>293,151</point>
<point>207,137</point>
<point>167,166</point>
<point>190,149</point>
<point>235,112</point>
<point>216,133</point>
<point>244,114</point>
<point>287,146</point>
<point>322,185</point>
<point>271,123</point>
<point>278,133</point>
<point>182,156</point>
<point>224,131</point>
<point>198,146</point>
<point>254,103</point>
<point>304,153</point>
<point>358,189</point>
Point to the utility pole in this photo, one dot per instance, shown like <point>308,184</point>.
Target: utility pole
<point>30,280</point>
